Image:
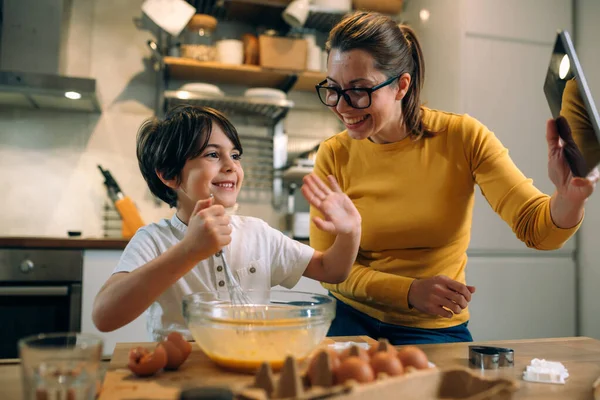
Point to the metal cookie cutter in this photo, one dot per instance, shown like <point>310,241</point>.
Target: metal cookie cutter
<point>489,357</point>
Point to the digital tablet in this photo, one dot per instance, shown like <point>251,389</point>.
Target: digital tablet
<point>569,97</point>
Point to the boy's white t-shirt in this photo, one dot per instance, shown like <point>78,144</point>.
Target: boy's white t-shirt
<point>259,256</point>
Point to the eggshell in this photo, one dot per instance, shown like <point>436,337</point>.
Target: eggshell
<point>175,356</point>
<point>179,340</point>
<point>145,363</point>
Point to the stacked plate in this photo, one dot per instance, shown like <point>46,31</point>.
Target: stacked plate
<point>265,93</point>
<point>202,88</point>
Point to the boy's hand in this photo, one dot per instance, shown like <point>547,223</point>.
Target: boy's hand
<point>341,216</point>
<point>208,229</point>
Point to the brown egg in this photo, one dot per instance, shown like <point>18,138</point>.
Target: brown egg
<point>334,358</point>
<point>382,345</point>
<point>355,351</point>
<point>145,363</point>
<point>179,340</point>
<point>320,375</point>
<point>374,348</point>
<point>175,356</point>
<point>387,363</point>
<point>411,356</point>
<point>354,368</point>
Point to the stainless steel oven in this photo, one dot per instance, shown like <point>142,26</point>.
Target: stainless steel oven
<point>40,292</point>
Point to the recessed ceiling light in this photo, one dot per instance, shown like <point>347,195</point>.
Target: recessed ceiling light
<point>424,15</point>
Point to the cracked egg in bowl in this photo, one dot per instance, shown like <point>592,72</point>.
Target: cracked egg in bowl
<point>241,337</point>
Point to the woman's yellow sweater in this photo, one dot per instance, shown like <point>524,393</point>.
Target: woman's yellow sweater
<point>416,202</point>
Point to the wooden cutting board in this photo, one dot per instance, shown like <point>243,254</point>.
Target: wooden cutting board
<point>198,370</point>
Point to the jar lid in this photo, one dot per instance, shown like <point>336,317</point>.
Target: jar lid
<point>202,21</point>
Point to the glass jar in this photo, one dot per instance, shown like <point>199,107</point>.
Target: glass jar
<point>197,40</point>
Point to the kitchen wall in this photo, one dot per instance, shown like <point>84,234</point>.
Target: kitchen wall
<point>587,33</point>
<point>50,182</point>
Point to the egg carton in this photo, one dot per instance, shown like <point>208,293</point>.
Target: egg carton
<point>413,384</point>
<point>293,384</point>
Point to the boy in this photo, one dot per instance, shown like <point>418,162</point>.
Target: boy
<point>191,160</point>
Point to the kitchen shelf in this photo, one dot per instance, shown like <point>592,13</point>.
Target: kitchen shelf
<point>248,75</point>
<point>273,110</point>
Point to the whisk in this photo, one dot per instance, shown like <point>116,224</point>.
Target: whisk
<point>242,304</point>
<point>238,297</point>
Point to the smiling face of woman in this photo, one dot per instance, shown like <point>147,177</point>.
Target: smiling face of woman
<point>356,69</point>
<point>371,51</point>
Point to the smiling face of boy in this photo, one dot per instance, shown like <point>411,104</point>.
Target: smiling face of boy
<point>217,170</point>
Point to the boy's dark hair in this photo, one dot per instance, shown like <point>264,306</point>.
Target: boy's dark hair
<point>164,146</point>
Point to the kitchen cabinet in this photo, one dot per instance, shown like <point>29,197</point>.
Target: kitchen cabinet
<point>509,57</point>
<point>306,285</point>
<point>522,297</point>
<point>587,32</point>
<point>98,265</point>
<point>523,293</point>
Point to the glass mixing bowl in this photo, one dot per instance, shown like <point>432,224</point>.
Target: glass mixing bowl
<point>241,338</point>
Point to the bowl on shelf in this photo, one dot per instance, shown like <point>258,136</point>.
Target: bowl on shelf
<point>337,6</point>
<point>290,323</point>
<point>265,93</point>
<point>202,88</point>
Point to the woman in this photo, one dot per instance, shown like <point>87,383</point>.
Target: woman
<point>411,172</point>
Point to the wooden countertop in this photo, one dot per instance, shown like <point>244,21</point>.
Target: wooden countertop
<point>32,242</point>
<point>580,355</point>
<point>10,380</point>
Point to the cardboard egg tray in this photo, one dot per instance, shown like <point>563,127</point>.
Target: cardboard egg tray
<point>434,383</point>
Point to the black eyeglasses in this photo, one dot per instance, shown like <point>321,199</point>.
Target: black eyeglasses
<point>358,98</point>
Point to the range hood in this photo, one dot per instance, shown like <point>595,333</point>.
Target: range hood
<point>33,42</point>
<point>46,91</point>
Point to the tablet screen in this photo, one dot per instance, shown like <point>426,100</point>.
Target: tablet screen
<point>569,97</point>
